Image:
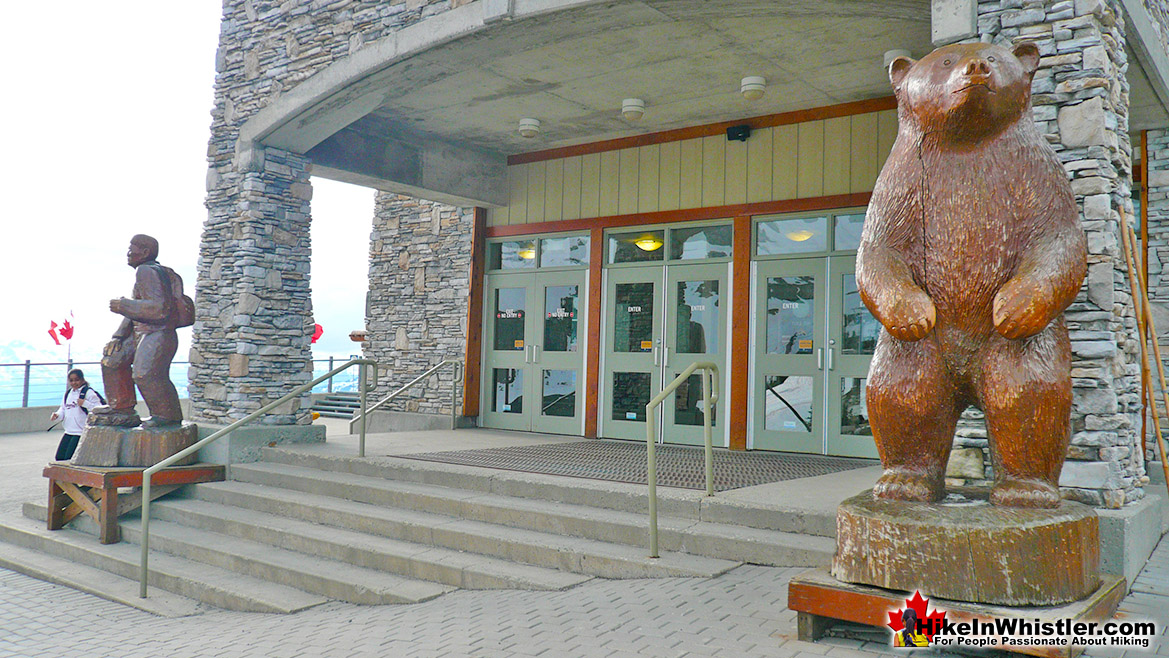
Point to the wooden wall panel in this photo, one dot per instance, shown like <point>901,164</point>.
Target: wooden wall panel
<point>610,164</point>
<point>837,155</point>
<point>690,181</point>
<point>592,372</point>
<point>554,191</point>
<point>669,176</point>
<point>517,200</point>
<point>886,134</point>
<point>810,159</point>
<point>628,180</point>
<point>648,177</point>
<point>784,156</point>
<point>759,154</point>
<point>740,329</point>
<point>474,346</point>
<point>714,165</point>
<point>833,156</point>
<point>536,177</point>
<point>865,161</point>
<point>735,173</point>
<point>590,185</point>
<point>570,205</point>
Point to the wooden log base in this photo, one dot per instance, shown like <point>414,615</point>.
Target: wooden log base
<point>821,601</point>
<point>93,490</point>
<point>103,445</point>
<point>965,549</point>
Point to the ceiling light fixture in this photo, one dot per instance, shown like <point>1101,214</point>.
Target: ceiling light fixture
<point>800,235</point>
<point>632,109</point>
<point>529,127</point>
<point>648,243</point>
<point>752,87</point>
<point>527,253</point>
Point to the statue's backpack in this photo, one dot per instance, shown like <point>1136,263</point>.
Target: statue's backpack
<point>184,305</point>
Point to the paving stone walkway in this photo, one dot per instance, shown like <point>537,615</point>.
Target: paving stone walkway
<point>742,613</point>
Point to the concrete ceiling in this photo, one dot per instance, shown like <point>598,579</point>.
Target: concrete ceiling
<point>685,58</point>
<point>1145,110</point>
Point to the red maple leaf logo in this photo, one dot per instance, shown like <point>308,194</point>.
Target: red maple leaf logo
<point>929,623</point>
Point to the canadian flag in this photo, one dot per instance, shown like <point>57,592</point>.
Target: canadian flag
<point>63,330</point>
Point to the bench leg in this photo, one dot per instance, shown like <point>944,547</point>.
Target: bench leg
<point>110,532</point>
<point>56,510</point>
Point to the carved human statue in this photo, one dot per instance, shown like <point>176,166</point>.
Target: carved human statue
<point>142,348</point>
<point>972,249</point>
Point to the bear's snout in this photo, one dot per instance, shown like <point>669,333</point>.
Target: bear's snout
<point>978,67</point>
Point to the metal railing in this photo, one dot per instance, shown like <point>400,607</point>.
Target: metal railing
<point>458,368</point>
<point>35,384</point>
<point>709,398</point>
<point>147,474</point>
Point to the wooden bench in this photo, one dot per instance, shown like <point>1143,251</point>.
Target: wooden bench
<point>93,490</point>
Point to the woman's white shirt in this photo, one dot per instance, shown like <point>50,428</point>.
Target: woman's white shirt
<point>71,415</point>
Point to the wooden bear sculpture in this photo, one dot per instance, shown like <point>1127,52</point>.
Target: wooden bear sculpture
<point>971,250</point>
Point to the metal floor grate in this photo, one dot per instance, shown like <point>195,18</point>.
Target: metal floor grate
<point>624,461</point>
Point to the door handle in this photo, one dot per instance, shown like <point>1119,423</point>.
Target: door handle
<point>657,356</point>
<point>819,358</point>
<point>830,351</point>
<point>527,354</point>
<point>535,354</point>
<point>665,356</point>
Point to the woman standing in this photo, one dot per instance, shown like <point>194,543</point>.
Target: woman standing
<point>79,400</point>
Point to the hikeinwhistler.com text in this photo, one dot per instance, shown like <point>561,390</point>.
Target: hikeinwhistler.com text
<point>1042,633</point>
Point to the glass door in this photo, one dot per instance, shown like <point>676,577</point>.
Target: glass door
<point>533,354</point>
<point>633,349</point>
<point>556,354</point>
<point>852,337</point>
<point>790,355</point>
<point>507,351</point>
<point>695,330</point>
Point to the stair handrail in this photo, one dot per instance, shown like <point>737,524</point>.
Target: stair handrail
<point>458,369</point>
<point>709,382</point>
<point>148,473</point>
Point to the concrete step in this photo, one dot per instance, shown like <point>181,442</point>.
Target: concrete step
<point>619,496</point>
<point>685,535</point>
<point>417,561</point>
<point>201,582</point>
<point>317,575</point>
<point>102,584</point>
<point>543,549</point>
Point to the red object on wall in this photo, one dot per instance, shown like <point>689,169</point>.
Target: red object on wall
<point>317,331</point>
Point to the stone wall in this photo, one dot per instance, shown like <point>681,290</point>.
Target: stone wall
<point>416,313</point>
<point>1080,98</point>
<point>1157,183</point>
<point>254,311</point>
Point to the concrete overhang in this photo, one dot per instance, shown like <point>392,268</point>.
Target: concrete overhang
<point>1148,73</point>
<point>449,91</point>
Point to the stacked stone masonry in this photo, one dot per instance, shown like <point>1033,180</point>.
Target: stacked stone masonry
<point>1157,209</point>
<point>416,314</point>
<point>251,340</point>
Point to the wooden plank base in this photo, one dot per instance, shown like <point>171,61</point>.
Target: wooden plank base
<point>93,490</point>
<point>821,600</point>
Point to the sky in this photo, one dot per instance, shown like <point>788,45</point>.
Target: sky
<point>107,115</point>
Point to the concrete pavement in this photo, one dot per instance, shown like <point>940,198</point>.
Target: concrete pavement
<point>742,613</point>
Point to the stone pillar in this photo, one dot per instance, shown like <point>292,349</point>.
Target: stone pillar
<point>1080,98</point>
<point>254,319</point>
<point>1157,184</point>
<point>416,313</point>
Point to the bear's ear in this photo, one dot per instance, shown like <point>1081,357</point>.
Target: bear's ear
<point>1028,55</point>
<point>898,69</point>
